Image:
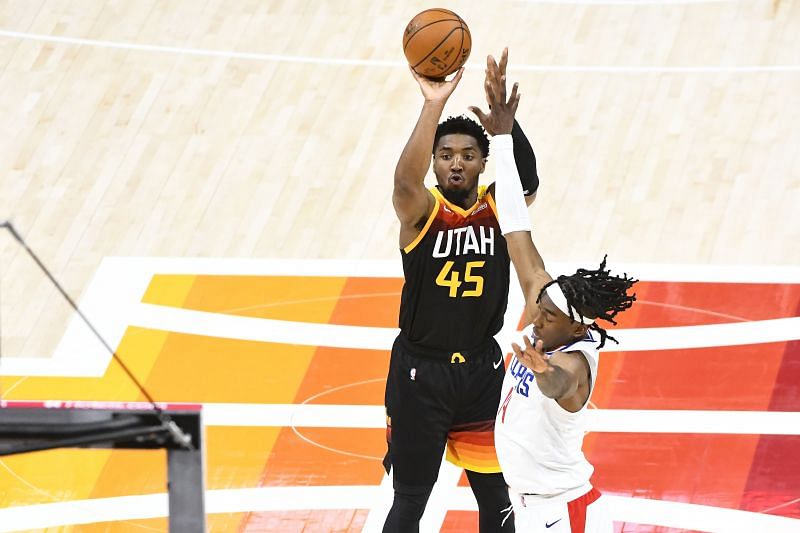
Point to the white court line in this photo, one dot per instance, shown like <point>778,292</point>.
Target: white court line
<point>121,267</point>
<point>441,499</point>
<point>705,336</point>
<point>55,367</point>
<point>630,3</point>
<point>375,338</point>
<point>690,421</point>
<point>261,329</point>
<point>380,507</point>
<point>687,516</point>
<point>632,510</point>
<point>598,420</point>
<point>280,58</point>
<point>114,293</point>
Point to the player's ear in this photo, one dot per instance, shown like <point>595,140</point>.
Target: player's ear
<point>483,165</point>
<point>579,330</point>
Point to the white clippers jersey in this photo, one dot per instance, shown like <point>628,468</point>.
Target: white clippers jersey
<point>539,442</point>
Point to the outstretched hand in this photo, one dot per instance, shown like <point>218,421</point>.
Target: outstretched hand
<point>533,356</point>
<point>437,90</point>
<point>500,118</point>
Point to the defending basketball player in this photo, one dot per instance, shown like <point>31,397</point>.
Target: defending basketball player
<point>446,369</point>
<point>540,423</point>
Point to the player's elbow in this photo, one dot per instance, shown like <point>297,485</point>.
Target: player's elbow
<point>551,390</point>
<point>557,391</point>
<point>561,385</point>
<point>567,389</point>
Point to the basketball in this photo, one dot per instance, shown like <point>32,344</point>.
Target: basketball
<point>436,43</point>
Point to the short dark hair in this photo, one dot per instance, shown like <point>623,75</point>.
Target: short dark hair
<point>465,126</point>
<point>595,294</point>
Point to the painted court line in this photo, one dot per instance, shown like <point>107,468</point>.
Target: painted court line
<point>632,510</point>
<point>600,420</point>
<point>137,266</point>
<point>280,58</point>
<point>631,3</point>
<point>361,337</point>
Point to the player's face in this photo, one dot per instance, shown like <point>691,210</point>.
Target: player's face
<point>457,163</point>
<point>553,327</point>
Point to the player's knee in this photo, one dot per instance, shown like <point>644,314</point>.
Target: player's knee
<point>407,508</point>
<point>412,498</point>
<point>491,492</point>
<point>490,489</point>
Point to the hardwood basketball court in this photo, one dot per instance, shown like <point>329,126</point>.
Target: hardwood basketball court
<point>212,181</point>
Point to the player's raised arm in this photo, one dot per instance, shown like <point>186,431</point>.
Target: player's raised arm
<point>512,210</point>
<point>512,214</point>
<point>412,202</point>
<point>523,151</point>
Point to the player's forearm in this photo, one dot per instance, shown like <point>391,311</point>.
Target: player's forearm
<point>523,252</point>
<point>554,383</point>
<point>525,160</point>
<point>512,214</point>
<point>416,157</point>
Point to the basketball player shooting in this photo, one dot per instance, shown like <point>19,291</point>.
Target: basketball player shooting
<point>446,368</point>
<point>541,420</point>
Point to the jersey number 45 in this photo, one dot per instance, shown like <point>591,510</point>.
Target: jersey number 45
<point>450,278</point>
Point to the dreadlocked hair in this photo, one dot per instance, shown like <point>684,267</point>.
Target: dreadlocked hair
<point>464,125</point>
<point>595,294</point>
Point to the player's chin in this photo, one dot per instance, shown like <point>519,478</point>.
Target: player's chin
<point>456,194</point>
<point>547,346</point>
<point>459,189</point>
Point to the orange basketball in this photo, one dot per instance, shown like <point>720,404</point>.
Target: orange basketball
<point>436,42</point>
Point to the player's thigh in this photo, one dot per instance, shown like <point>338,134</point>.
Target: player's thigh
<point>562,517</point>
<point>480,393</point>
<point>541,518</point>
<point>598,517</point>
<point>420,405</point>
